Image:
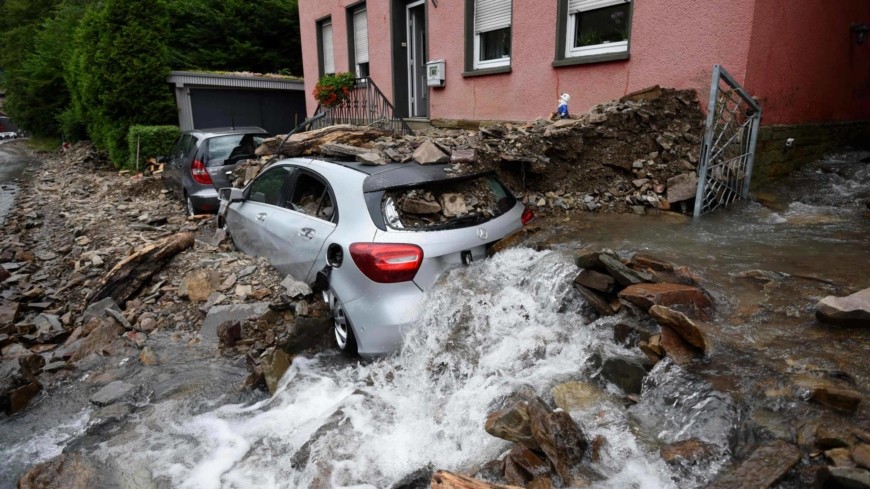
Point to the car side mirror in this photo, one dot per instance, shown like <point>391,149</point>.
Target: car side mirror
<point>231,194</point>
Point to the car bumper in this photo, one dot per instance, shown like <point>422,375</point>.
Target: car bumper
<point>205,200</point>
<point>380,319</point>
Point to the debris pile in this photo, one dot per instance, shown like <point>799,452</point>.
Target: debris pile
<point>630,155</point>
<point>434,206</point>
<point>97,272</point>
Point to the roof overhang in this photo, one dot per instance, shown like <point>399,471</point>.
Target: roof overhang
<point>200,79</point>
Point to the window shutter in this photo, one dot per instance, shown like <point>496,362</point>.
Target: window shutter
<point>575,6</point>
<point>360,37</point>
<point>328,54</point>
<point>490,15</point>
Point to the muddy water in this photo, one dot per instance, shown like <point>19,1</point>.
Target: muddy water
<point>510,324</point>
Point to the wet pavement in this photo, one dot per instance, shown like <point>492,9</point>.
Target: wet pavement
<point>13,162</point>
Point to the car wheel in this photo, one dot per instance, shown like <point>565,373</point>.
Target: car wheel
<point>191,209</point>
<point>344,336</point>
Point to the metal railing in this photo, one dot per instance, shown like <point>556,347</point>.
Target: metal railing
<point>728,151</point>
<point>366,106</point>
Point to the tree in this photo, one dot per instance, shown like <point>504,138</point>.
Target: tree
<point>117,71</point>
<point>37,89</point>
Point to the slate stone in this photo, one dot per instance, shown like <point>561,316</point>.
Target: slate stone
<point>627,374</point>
<point>624,275</point>
<point>112,393</point>
<point>295,289</point>
<point>594,280</point>
<point>852,310</point>
<point>98,309</point>
<point>682,187</point>
<point>764,468</point>
<point>428,154</point>
<point>232,312</point>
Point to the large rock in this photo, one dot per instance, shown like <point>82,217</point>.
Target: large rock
<point>512,424</point>
<point>295,289</point>
<point>594,280</point>
<point>112,393</point>
<point>199,284</point>
<point>18,398</point>
<point>666,294</point>
<point>852,310</point>
<point>274,363</point>
<point>522,465</point>
<point>559,438</point>
<point>624,275</point>
<point>580,396</point>
<point>416,205</point>
<point>764,468</point>
<point>861,455</point>
<point>627,374</point>
<point>681,324</point>
<point>104,337</point>
<point>682,187</point>
<point>850,477</point>
<point>428,153</point>
<point>66,471</point>
<point>453,205</point>
<point>676,347</point>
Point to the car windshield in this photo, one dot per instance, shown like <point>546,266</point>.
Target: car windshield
<point>233,147</point>
<point>446,204</point>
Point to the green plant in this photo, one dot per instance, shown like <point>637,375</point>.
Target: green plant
<point>332,90</point>
<point>150,141</point>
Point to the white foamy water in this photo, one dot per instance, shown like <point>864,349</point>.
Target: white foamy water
<point>507,324</point>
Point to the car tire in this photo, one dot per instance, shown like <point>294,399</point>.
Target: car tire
<point>188,204</point>
<point>345,339</point>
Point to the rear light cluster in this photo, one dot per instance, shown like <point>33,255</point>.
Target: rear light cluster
<point>387,263</point>
<point>199,174</point>
<point>527,216</point>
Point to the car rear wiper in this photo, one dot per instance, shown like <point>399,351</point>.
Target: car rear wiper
<point>459,222</point>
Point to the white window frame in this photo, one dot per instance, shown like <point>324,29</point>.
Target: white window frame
<point>491,63</point>
<point>360,38</point>
<point>577,6</point>
<point>328,48</point>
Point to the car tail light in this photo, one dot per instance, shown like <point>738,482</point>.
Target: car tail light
<point>527,216</point>
<point>197,171</point>
<point>387,263</point>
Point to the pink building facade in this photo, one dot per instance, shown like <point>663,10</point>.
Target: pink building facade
<point>802,59</point>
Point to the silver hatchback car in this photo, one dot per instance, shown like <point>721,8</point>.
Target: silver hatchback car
<point>374,238</point>
<point>202,160</point>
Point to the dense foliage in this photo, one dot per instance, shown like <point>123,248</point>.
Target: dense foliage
<point>88,68</point>
<point>150,142</point>
<point>333,89</point>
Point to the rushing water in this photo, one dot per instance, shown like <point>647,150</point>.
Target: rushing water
<point>511,324</point>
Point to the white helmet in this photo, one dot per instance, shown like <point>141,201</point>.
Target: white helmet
<point>564,98</point>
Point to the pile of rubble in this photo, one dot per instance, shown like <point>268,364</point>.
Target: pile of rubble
<point>87,269</point>
<point>637,153</point>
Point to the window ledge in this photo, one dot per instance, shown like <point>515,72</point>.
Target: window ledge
<point>487,71</point>
<point>595,58</point>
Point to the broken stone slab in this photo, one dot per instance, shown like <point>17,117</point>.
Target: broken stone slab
<point>512,424</point>
<point>677,348</point>
<point>580,396</point>
<point>337,149</point>
<point>598,303</point>
<point>295,289</point>
<point>463,156</point>
<point>861,455</point>
<point>4,274</point>
<point>102,338</point>
<point>232,312</point>
<point>764,468</point>
<point>8,312</point>
<point>852,310</point>
<point>371,159</point>
<point>624,275</point>
<point>681,324</point>
<point>646,295</point>
<point>67,470</point>
<point>443,479</point>
<point>625,373</point>
<point>199,284</point>
<point>682,187</point>
<point>112,393</point>
<point>17,399</point>
<point>274,363</point>
<point>522,465</point>
<point>850,477</point>
<point>453,205</point>
<point>416,205</point>
<point>98,309</point>
<point>429,154</point>
<point>594,280</point>
<point>559,437</point>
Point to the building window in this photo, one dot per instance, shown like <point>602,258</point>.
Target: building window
<point>489,38</point>
<point>359,49</point>
<point>327,53</point>
<point>594,30</point>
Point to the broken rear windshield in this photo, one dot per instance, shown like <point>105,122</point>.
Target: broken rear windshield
<point>232,147</point>
<point>446,205</point>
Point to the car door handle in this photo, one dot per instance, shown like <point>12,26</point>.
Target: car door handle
<point>306,233</point>
<point>261,216</point>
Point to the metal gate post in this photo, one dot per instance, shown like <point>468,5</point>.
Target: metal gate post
<point>708,141</point>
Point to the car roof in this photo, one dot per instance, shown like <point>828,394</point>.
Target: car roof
<point>220,131</point>
<point>397,175</point>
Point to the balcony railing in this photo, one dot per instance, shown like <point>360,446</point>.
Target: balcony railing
<point>366,106</point>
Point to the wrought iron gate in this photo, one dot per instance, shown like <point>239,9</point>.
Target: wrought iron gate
<point>727,153</point>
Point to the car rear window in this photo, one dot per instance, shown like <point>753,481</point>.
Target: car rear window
<point>233,147</point>
<point>446,204</point>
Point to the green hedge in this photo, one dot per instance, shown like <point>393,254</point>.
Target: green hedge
<point>153,141</point>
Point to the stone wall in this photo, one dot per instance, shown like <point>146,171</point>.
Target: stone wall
<point>811,141</point>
